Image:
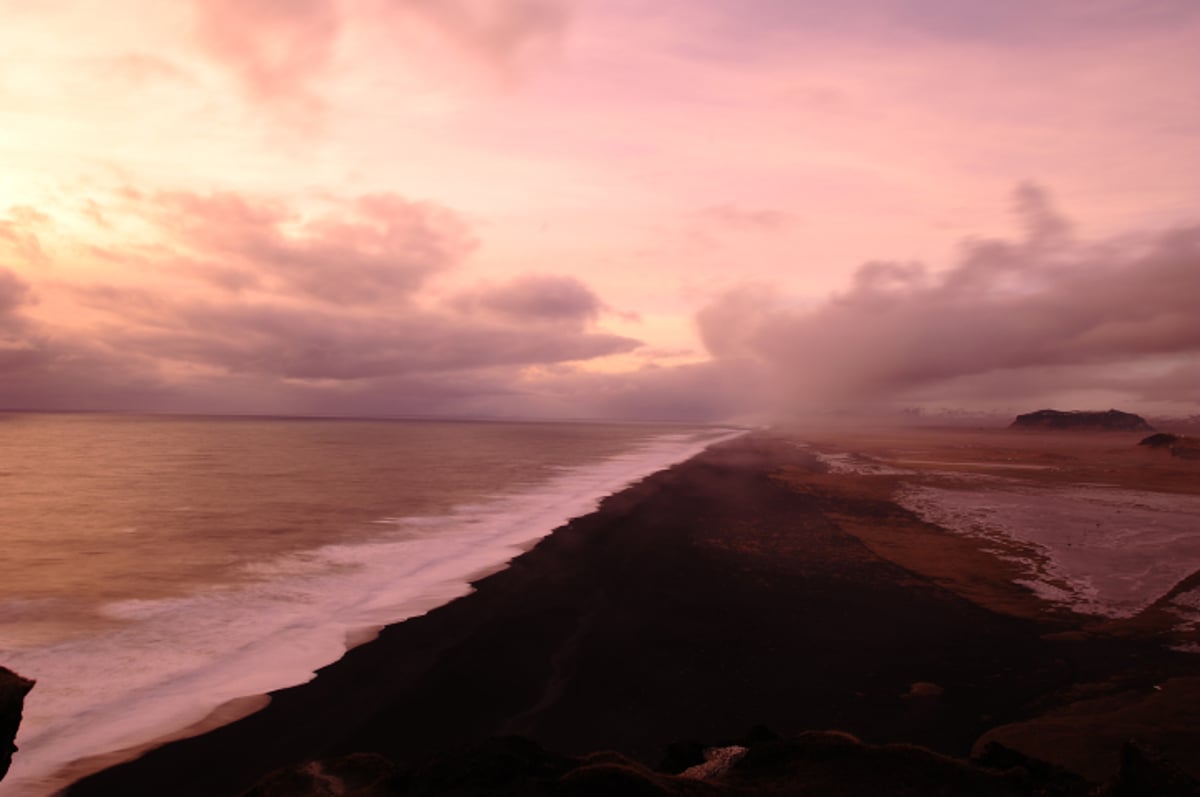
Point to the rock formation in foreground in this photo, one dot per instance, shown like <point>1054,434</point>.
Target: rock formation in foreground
<point>1084,421</point>
<point>1178,445</point>
<point>826,763</point>
<point>13,689</point>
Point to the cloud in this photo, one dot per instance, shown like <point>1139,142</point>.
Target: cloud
<point>39,370</point>
<point>504,33</point>
<point>696,392</point>
<point>277,50</point>
<point>14,292</point>
<point>742,219</point>
<point>1020,23</point>
<point>372,249</point>
<point>315,344</point>
<point>281,52</point>
<point>19,236</point>
<point>537,297</point>
<point>253,305</point>
<point>1031,310</point>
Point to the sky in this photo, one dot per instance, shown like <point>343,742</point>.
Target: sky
<point>690,209</point>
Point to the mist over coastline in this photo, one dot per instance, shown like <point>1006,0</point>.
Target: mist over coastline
<point>1044,318</point>
<point>473,209</point>
<point>618,376</point>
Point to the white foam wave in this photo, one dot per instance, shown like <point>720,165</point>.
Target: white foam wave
<point>858,464</point>
<point>171,662</point>
<point>1099,550</point>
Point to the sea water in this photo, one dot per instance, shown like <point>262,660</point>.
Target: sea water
<point>155,568</point>
<point>1097,549</point>
<point>1092,548</point>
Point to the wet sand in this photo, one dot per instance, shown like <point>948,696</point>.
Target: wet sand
<point>748,586</point>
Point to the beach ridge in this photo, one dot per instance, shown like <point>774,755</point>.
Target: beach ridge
<point>720,594</point>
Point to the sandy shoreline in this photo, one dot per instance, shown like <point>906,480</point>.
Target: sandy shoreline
<point>745,587</point>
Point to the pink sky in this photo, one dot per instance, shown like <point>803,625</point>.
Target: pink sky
<point>602,208</point>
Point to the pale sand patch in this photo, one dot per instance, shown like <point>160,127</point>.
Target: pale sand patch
<point>1087,522</point>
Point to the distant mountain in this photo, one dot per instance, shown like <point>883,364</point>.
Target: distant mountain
<point>1079,420</point>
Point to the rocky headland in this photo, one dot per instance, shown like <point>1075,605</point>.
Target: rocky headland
<point>1177,445</point>
<point>13,689</point>
<point>1082,420</point>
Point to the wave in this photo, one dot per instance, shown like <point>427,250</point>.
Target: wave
<point>168,664</point>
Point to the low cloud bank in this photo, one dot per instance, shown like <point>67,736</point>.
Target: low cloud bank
<point>1012,321</point>
<point>247,304</point>
<point>234,303</point>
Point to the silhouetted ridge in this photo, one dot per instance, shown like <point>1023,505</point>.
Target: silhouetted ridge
<point>1111,420</point>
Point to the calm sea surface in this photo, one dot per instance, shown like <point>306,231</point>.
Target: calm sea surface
<point>155,568</point>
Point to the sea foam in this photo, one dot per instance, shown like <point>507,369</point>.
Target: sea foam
<point>1095,549</point>
<point>168,664</point>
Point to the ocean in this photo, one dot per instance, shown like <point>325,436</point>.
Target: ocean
<point>156,568</point>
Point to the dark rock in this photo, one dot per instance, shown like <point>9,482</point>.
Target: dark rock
<point>827,763</point>
<point>835,764</point>
<point>1039,776</point>
<point>13,689</point>
<point>681,755</point>
<point>1077,420</point>
<point>1178,445</point>
<point>293,782</point>
<point>501,765</point>
<point>1145,771</point>
<point>356,775</point>
<point>602,780</point>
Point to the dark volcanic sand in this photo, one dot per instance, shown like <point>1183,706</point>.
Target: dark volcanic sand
<point>707,599</point>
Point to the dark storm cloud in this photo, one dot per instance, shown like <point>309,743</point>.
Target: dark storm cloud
<point>1018,308</point>
<point>376,248</point>
<point>1018,23</point>
<point>1178,383</point>
<point>331,296</point>
<point>307,343</point>
<point>20,349</point>
<point>1039,315</point>
<point>40,370</point>
<point>247,304</point>
<point>14,292</point>
<point>537,297</point>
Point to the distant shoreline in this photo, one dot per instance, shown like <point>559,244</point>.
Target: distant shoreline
<point>708,598</point>
<point>321,535</point>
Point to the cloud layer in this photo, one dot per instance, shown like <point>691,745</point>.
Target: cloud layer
<point>253,294</point>
<point>1041,314</point>
<point>280,53</point>
<point>246,303</point>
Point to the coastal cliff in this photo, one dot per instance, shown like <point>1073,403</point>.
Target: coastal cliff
<point>13,689</point>
<point>1079,420</point>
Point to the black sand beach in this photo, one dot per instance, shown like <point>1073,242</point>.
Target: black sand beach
<point>723,594</point>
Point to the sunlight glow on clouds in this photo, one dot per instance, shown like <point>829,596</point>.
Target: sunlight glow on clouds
<point>546,207</point>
